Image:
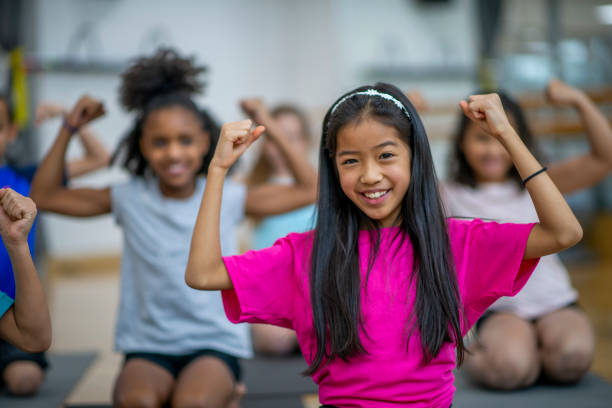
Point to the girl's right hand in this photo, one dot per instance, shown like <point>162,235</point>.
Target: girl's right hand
<point>488,113</point>
<point>235,138</point>
<point>17,214</point>
<point>85,110</point>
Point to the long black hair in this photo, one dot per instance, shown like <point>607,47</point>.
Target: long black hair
<point>461,172</point>
<point>335,281</point>
<point>161,81</point>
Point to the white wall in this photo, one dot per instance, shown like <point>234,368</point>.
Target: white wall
<point>307,52</point>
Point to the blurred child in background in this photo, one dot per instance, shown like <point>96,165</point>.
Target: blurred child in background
<point>272,167</point>
<point>22,372</point>
<point>541,330</point>
<point>179,347</point>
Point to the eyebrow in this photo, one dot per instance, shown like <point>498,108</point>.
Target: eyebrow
<point>383,144</point>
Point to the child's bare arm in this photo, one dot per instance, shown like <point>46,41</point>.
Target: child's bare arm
<point>27,323</point>
<point>205,267</point>
<point>48,190</point>
<point>275,198</point>
<point>96,156</point>
<point>558,228</point>
<point>588,169</point>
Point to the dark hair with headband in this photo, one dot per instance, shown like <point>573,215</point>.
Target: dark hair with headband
<point>461,172</point>
<point>335,277</point>
<point>161,81</point>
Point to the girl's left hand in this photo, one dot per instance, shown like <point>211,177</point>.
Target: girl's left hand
<point>235,138</point>
<point>46,111</point>
<point>17,214</point>
<point>560,93</point>
<point>488,113</point>
<point>256,109</point>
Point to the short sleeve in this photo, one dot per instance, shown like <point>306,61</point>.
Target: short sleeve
<point>265,286</point>
<point>5,303</point>
<point>117,195</point>
<point>489,261</point>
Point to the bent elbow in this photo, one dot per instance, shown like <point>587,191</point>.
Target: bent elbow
<point>37,344</point>
<point>39,196</point>
<point>571,237</point>
<point>194,281</point>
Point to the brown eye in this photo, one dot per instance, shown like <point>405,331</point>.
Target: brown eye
<point>159,142</point>
<point>186,140</point>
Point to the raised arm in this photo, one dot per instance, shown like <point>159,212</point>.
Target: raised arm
<point>48,190</point>
<point>587,169</point>
<point>26,324</point>
<point>96,156</point>
<point>205,268</point>
<point>558,228</point>
<point>274,198</point>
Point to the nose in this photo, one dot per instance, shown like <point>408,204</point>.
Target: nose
<point>495,148</point>
<point>371,173</point>
<point>173,150</point>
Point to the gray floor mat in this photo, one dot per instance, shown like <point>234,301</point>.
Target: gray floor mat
<point>591,392</point>
<point>64,372</point>
<point>277,382</point>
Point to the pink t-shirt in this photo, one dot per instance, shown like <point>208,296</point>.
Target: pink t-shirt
<point>272,286</point>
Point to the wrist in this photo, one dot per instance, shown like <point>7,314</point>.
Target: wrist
<point>507,135</point>
<point>579,100</point>
<point>16,246</point>
<point>214,169</point>
<point>68,127</point>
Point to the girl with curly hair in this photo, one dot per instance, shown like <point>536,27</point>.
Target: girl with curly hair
<point>179,347</point>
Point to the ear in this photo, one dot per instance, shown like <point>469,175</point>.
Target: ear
<point>143,148</point>
<point>205,142</point>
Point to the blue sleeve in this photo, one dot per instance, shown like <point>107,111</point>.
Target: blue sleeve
<point>28,172</point>
<point>5,303</point>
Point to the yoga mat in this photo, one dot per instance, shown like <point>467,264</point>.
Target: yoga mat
<point>277,382</point>
<point>591,392</point>
<point>64,372</point>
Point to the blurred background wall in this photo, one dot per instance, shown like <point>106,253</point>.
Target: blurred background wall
<point>307,53</point>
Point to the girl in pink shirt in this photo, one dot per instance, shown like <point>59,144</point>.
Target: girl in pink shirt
<point>382,291</point>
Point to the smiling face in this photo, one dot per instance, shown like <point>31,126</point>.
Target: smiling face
<point>174,144</point>
<point>489,160</point>
<point>373,165</point>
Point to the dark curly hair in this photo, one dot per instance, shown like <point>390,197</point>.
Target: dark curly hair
<point>461,172</point>
<point>160,81</point>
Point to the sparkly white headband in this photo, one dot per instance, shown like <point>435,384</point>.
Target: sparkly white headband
<point>374,92</point>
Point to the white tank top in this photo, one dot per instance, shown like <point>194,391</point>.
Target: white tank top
<point>549,288</point>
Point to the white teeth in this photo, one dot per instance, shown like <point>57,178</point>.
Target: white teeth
<point>377,194</point>
<point>176,168</point>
